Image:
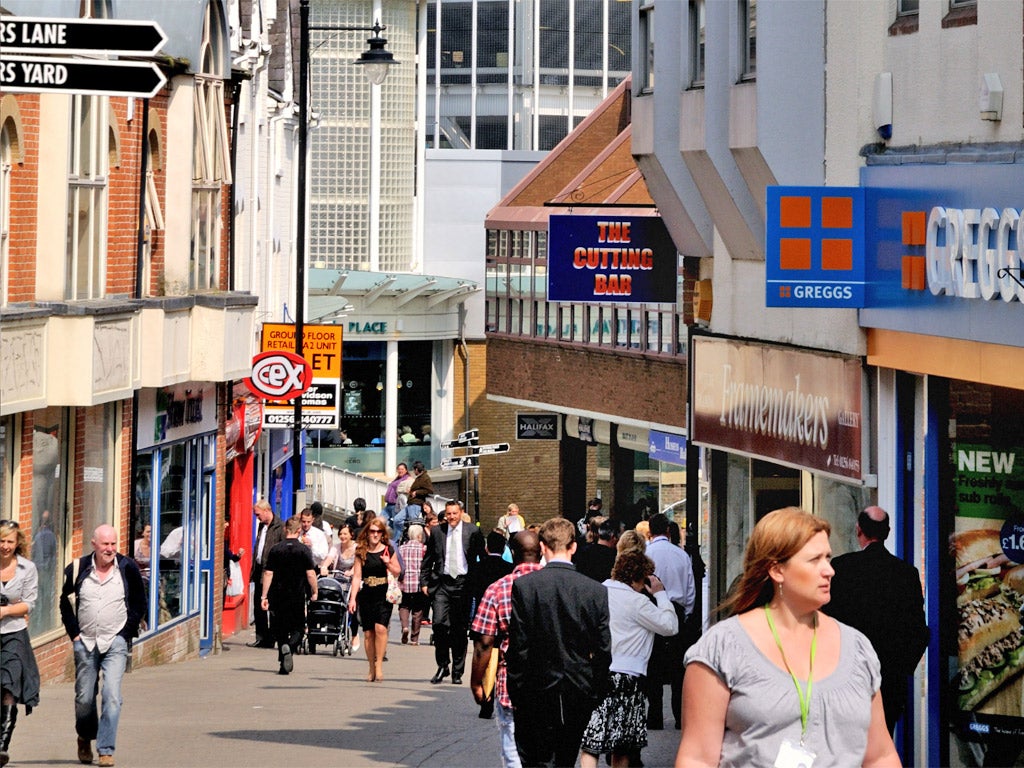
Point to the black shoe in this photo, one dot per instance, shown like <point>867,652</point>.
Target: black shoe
<point>260,643</point>
<point>441,674</point>
<point>287,664</point>
<point>456,679</point>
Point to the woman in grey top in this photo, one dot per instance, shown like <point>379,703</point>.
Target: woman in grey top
<point>780,683</point>
<point>19,676</point>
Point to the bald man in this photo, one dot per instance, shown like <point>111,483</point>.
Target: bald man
<point>879,594</point>
<point>101,605</point>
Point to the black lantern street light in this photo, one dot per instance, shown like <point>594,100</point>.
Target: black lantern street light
<point>375,62</point>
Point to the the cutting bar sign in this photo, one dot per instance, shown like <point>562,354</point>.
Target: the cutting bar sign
<point>279,375</point>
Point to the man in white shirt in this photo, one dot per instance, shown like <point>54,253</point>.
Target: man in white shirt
<point>453,550</point>
<point>673,566</point>
<point>101,605</point>
<point>313,537</point>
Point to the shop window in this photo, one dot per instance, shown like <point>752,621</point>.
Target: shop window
<point>6,467</point>
<point>85,265</point>
<point>98,428</point>
<point>172,498</point>
<point>50,519</point>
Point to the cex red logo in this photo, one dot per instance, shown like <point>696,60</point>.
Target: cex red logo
<point>279,375</point>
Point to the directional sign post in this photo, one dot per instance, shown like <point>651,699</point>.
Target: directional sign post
<point>32,74</point>
<point>24,70</point>
<point>32,35</point>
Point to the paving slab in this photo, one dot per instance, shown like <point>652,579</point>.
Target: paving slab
<point>233,709</point>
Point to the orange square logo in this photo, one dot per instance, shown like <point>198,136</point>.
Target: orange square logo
<point>912,275</point>
<point>837,255</point>
<point>794,253</point>
<point>795,212</point>
<point>837,212</point>
<point>914,224</point>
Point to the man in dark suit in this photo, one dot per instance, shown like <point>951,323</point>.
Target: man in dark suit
<point>269,532</point>
<point>558,654</point>
<point>879,594</point>
<point>453,551</point>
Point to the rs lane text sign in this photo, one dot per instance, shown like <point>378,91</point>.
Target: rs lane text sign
<point>111,37</point>
<point>35,74</point>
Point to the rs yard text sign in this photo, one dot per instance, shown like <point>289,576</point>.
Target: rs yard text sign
<point>36,74</point>
<point>626,259</point>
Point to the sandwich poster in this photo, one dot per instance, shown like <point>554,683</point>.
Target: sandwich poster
<point>987,545</point>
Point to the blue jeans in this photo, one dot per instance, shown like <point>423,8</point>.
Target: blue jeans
<point>507,731</point>
<point>88,664</point>
<point>410,512</point>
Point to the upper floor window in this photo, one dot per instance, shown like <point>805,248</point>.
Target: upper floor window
<point>907,7</point>
<point>211,164</point>
<point>6,163</point>
<point>697,42</point>
<point>85,264</point>
<point>646,59</point>
<point>748,39</point>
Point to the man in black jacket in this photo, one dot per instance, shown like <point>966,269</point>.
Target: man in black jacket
<point>559,651</point>
<point>453,551</point>
<point>101,605</point>
<point>879,594</point>
<point>269,533</point>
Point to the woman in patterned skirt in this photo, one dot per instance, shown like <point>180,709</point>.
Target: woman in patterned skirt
<point>619,724</point>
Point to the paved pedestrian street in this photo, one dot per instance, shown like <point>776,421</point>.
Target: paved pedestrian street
<point>233,709</point>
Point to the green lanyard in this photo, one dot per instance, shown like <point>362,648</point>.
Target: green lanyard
<point>805,699</point>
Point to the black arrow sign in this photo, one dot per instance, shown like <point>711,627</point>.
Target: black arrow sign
<point>36,74</point>
<point>30,35</point>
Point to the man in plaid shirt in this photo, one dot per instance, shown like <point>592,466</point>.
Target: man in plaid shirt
<point>490,625</point>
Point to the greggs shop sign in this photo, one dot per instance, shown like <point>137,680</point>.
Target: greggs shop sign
<point>946,236</point>
<point>611,258</point>
<point>781,404</point>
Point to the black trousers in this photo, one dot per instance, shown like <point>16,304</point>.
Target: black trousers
<point>666,667</point>
<point>260,618</point>
<point>289,625</point>
<point>549,731</point>
<point>451,623</point>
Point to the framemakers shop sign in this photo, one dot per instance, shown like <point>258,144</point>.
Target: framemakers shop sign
<point>778,403</point>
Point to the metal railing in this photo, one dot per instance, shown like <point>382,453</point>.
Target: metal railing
<point>336,488</point>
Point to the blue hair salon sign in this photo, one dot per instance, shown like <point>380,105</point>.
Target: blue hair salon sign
<point>611,258</point>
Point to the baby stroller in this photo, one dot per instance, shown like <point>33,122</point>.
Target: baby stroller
<point>327,617</point>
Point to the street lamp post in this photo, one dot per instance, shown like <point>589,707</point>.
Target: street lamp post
<point>375,61</point>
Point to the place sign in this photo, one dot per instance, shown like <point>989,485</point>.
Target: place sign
<point>30,35</point>
<point>34,74</point>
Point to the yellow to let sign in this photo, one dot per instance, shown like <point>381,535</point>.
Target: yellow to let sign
<point>321,346</point>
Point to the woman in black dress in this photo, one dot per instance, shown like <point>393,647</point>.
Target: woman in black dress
<point>375,559</point>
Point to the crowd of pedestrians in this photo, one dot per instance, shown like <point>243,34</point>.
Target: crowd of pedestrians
<point>577,627</point>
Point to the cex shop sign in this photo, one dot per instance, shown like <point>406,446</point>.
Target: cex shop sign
<point>279,375</point>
